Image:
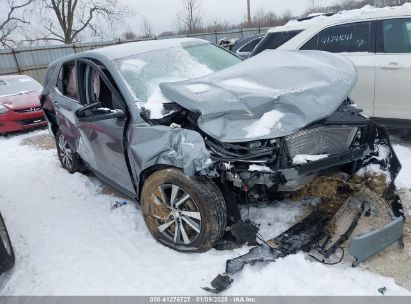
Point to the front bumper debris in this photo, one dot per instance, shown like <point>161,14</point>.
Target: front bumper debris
<point>317,232</point>
<point>364,246</point>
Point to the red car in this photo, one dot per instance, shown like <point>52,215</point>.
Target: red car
<point>19,104</point>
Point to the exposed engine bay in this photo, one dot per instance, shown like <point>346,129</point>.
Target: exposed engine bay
<point>256,171</point>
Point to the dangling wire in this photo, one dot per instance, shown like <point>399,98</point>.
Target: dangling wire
<point>327,263</point>
<point>262,240</point>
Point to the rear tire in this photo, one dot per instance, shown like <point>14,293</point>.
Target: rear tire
<point>7,257</point>
<point>187,214</point>
<point>68,159</point>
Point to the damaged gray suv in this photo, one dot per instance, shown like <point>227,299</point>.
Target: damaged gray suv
<point>191,131</point>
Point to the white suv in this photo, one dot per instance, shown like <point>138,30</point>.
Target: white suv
<point>377,40</point>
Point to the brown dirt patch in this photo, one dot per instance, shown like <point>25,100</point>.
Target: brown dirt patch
<point>333,192</point>
<point>42,142</point>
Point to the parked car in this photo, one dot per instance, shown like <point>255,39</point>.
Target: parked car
<point>19,104</point>
<point>7,257</point>
<point>245,46</point>
<point>190,130</point>
<point>377,40</point>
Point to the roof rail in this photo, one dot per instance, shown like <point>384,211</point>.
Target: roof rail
<point>314,16</point>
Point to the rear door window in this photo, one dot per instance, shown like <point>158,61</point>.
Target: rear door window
<point>67,80</point>
<point>98,88</point>
<point>275,40</point>
<point>394,36</point>
<point>353,37</point>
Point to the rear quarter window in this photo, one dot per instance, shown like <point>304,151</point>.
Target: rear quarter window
<point>67,80</point>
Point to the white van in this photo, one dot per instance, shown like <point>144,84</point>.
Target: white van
<point>377,40</point>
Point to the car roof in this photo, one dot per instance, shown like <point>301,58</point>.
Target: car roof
<point>133,48</point>
<point>322,20</point>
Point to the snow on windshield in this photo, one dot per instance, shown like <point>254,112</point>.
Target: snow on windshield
<point>134,65</point>
<point>144,72</point>
<point>155,104</point>
<point>265,124</point>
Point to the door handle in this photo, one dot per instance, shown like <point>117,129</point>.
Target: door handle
<point>392,66</point>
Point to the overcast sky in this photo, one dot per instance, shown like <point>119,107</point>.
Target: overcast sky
<point>162,13</point>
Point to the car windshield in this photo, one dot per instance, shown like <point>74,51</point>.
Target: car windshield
<point>144,72</point>
<point>18,85</point>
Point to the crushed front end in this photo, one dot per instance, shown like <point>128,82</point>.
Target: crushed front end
<point>335,160</point>
<point>259,170</point>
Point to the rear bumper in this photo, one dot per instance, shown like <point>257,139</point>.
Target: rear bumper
<point>14,121</point>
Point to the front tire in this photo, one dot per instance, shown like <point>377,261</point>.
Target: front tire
<point>68,159</point>
<point>184,213</point>
<point>7,257</point>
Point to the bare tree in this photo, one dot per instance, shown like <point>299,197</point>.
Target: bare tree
<point>65,20</point>
<point>263,18</point>
<point>191,16</point>
<point>146,29</point>
<point>286,16</point>
<point>13,20</point>
<point>167,34</point>
<point>248,12</point>
<point>314,6</point>
<point>383,3</point>
<point>129,35</point>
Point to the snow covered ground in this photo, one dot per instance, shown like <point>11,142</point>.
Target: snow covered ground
<point>68,241</point>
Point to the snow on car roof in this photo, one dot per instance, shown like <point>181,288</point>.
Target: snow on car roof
<point>365,13</point>
<point>133,48</point>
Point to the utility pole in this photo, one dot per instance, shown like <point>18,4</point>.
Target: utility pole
<point>248,12</point>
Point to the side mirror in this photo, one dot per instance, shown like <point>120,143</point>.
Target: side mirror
<point>94,112</point>
<point>84,111</point>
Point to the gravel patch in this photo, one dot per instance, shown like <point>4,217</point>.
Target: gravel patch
<point>41,141</point>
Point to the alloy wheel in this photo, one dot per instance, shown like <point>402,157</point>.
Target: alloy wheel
<point>177,215</point>
<point>65,153</point>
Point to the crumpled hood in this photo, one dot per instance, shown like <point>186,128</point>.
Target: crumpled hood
<point>270,95</point>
